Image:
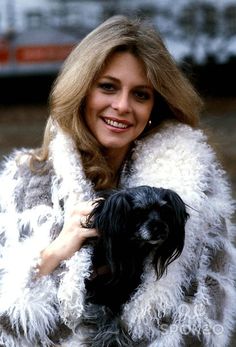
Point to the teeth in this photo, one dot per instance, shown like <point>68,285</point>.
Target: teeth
<point>116,124</point>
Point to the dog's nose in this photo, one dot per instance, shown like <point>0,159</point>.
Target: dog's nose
<point>158,231</point>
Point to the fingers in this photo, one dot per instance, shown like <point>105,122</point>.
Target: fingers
<point>83,221</point>
<point>80,211</point>
<point>87,233</point>
<point>84,208</point>
<point>77,222</point>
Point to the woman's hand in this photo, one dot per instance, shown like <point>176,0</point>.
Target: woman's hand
<point>70,239</point>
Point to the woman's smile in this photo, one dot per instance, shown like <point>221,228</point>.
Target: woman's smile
<point>117,124</point>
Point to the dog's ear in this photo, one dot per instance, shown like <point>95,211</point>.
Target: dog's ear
<point>175,214</point>
<point>175,202</point>
<point>111,218</point>
<point>111,215</point>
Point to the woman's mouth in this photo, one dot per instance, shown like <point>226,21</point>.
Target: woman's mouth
<point>116,123</point>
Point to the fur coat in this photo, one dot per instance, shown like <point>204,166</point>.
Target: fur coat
<point>193,304</point>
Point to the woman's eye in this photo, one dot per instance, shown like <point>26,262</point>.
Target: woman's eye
<point>108,87</point>
<point>141,95</point>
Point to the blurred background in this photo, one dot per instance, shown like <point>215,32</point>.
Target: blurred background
<point>36,37</point>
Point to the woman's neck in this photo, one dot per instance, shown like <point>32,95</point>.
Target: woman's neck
<point>115,158</point>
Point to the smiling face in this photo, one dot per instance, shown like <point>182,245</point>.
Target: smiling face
<point>119,103</point>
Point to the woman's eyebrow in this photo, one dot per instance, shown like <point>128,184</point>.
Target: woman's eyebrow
<point>110,78</point>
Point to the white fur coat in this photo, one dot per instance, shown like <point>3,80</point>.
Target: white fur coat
<point>193,304</point>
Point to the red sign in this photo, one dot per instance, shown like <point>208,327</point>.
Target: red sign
<point>4,52</point>
<point>42,54</point>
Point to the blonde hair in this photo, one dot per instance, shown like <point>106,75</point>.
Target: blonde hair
<point>174,95</point>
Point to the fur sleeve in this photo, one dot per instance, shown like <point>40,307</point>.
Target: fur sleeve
<point>28,307</point>
<point>217,265</point>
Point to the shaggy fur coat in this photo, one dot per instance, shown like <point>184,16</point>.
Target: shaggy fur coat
<point>193,304</point>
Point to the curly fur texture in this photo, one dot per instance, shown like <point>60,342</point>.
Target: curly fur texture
<point>196,295</point>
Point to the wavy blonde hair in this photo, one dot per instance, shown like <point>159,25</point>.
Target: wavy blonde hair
<point>175,97</point>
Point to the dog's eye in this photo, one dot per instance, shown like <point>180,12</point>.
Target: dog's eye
<point>139,212</point>
<point>139,215</point>
<point>165,209</point>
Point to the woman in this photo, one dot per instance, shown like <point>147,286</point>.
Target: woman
<point>122,115</point>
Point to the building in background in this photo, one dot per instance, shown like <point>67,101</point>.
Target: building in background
<point>36,36</point>
<point>29,44</point>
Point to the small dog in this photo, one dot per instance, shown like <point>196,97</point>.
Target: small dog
<point>134,224</point>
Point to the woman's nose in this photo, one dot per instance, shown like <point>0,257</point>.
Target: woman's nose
<point>121,103</point>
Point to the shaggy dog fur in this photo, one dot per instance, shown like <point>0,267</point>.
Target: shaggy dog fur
<point>134,224</point>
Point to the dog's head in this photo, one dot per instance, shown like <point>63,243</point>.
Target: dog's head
<point>138,220</point>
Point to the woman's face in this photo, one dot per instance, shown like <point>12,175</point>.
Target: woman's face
<point>119,103</point>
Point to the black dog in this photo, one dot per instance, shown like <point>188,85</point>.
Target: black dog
<point>134,224</point>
